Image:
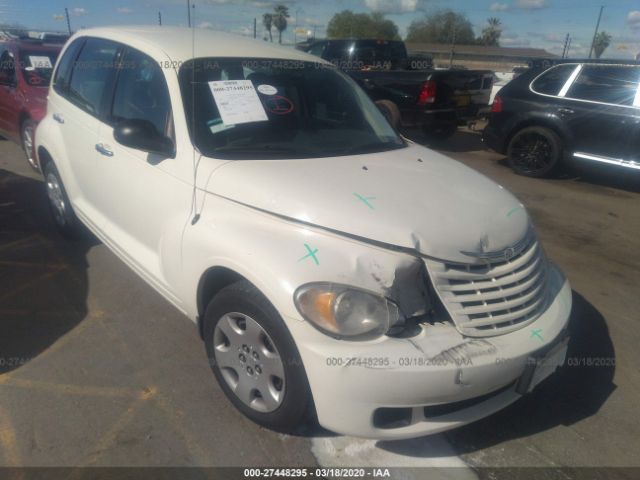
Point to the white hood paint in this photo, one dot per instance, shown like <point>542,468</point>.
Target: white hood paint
<point>437,206</point>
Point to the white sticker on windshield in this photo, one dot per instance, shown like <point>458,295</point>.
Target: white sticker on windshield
<point>267,89</point>
<point>40,61</point>
<point>237,102</point>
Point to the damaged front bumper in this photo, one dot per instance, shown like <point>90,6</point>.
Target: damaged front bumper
<point>395,388</point>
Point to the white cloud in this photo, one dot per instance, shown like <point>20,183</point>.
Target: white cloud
<point>531,4</point>
<point>124,10</point>
<point>499,7</point>
<point>633,20</point>
<point>205,25</point>
<point>79,11</point>
<point>58,17</point>
<point>392,6</point>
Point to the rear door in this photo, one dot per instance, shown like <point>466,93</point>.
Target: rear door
<point>9,107</point>
<point>79,105</point>
<point>598,107</point>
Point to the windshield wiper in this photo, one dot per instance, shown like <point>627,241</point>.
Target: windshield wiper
<point>373,147</point>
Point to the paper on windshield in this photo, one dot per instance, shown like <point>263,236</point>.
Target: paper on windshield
<point>237,101</point>
<point>40,61</point>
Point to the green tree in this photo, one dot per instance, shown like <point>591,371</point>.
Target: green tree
<point>267,21</point>
<point>280,19</point>
<point>491,33</point>
<point>347,24</point>
<point>601,43</point>
<point>443,26</point>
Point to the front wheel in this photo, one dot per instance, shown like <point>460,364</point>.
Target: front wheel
<point>27,133</point>
<point>254,358</point>
<point>535,152</point>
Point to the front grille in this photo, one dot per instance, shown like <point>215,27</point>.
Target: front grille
<point>493,297</point>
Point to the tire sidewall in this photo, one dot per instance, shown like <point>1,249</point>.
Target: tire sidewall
<point>28,124</point>
<point>70,227</point>
<point>246,299</point>
<point>555,142</point>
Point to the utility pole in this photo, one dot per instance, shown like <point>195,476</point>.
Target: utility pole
<point>569,46</point>
<point>189,13</point>
<point>66,12</point>
<point>566,44</point>
<point>159,18</point>
<point>593,43</point>
<point>453,46</point>
<point>255,28</point>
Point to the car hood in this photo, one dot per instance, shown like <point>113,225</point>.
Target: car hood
<point>412,198</point>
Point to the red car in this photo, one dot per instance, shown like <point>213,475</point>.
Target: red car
<point>25,73</point>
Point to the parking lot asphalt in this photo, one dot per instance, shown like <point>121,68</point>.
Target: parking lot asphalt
<point>96,369</point>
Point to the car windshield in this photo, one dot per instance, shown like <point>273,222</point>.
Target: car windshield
<point>258,108</point>
<point>37,66</point>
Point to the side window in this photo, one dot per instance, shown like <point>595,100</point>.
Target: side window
<point>552,81</point>
<point>92,73</point>
<point>615,84</point>
<point>63,71</point>
<point>142,93</point>
<point>8,68</point>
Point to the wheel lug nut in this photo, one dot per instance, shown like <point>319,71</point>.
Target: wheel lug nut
<point>242,358</point>
<point>255,355</point>
<point>250,370</point>
<point>258,370</point>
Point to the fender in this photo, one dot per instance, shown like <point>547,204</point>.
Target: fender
<point>542,119</point>
<point>278,256</point>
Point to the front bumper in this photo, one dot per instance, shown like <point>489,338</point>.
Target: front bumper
<point>352,381</point>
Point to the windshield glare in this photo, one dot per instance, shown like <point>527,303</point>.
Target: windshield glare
<point>37,66</point>
<point>293,109</point>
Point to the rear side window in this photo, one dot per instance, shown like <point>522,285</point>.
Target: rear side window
<point>63,72</point>
<point>615,84</point>
<point>552,81</point>
<point>92,73</point>
<point>142,93</point>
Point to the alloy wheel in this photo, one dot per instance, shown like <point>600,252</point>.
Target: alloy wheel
<point>27,144</point>
<point>56,199</point>
<point>249,362</point>
<point>532,152</point>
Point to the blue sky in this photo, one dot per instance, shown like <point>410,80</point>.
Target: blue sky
<point>527,23</point>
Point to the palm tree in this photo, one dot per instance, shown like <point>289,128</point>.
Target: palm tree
<point>600,43</point>
<point>267,21</point>
<point>491,34</point>
<point>280,19</point>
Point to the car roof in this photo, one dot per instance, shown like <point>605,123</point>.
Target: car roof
<point>181,44</point>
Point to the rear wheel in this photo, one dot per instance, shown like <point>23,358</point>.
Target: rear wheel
<point>535,152</point>
<point>254,358</point>
<point>27,133</point>
<point>61,210</point>
<point>390,111</point>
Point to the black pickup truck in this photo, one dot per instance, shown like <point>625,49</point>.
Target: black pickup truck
<point>409,90</point>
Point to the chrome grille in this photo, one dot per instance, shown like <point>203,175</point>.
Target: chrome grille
<point>492,298</point>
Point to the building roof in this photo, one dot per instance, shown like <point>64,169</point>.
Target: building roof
<point>479,50</point>
<point>180,44</point>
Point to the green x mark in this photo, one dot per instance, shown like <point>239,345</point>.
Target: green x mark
<point>312,254</point>
<point>536,333</point>
<point>513,210</point>
<point>365,200</point>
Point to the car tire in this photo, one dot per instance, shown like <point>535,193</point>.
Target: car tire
<point>391,112</point>
<point>61,210</point>
<point>440,132</point>
<point>27,135</point>
<point>255,359</point>
<point>535,152</point>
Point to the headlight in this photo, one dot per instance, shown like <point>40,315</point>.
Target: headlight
<point>343,311</point>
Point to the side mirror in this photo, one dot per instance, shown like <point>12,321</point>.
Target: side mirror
<point>142,135</point>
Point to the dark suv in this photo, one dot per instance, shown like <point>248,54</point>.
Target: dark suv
<point>576,111</point>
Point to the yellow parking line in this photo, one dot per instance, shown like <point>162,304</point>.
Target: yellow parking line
<point>6,246</point>
<point>8,263</point>
<point>8,440</point>
<point>61,388</point>
<point>24,286</point>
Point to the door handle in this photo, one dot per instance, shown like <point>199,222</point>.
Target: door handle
<point>103,150</point>
<point>566,111</point>
<point>58,118</point>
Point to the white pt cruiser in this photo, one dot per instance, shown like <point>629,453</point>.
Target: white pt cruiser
<point>333,267</point>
